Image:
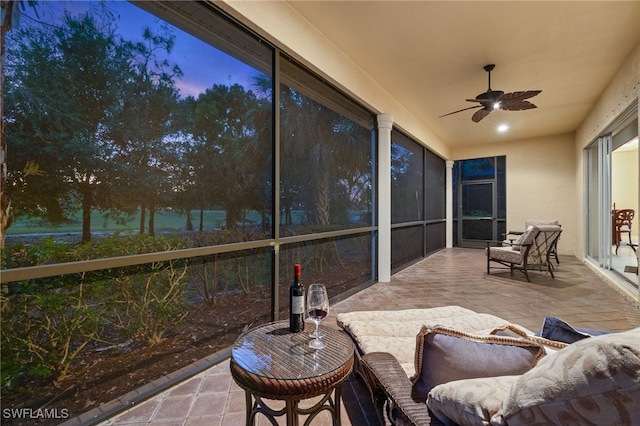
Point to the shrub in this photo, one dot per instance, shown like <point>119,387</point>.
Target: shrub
<point>47,322</point>
<point>146,305</point>
<point>44,330</point>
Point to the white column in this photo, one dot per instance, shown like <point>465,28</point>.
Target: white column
<point>385,124</point>
<point>449,203</point>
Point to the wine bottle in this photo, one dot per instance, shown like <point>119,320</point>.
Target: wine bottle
<point>296,302</point>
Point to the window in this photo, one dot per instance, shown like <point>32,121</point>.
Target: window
<point>417,201</point>
<point>326,156</point>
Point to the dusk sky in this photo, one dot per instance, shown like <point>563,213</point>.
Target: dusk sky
<point>201,64</point>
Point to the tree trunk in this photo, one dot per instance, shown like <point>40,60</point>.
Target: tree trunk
<point>189,225</point>
<point>322,199</point>
<point>5,203</point>
<point>152,220</point>
<point>233,217</point>
<point>143,211</point>
<point>87,202</point>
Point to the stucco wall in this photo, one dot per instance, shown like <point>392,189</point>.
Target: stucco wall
<point>532,194</point>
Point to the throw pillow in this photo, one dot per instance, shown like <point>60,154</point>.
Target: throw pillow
<point>560,331</point>
<point>593,381</point>
<point>470,402</point>
<point>444,354</point>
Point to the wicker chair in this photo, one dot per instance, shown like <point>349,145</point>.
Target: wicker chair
<point>392,392</point>
<point>385,355</point>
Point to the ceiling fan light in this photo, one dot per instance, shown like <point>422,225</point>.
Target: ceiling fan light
<point>496,105</point>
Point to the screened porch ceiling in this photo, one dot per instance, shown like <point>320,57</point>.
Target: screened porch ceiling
<point>430,55</point>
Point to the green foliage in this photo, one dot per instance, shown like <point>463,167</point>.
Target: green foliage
<point>119,244</point>
<point>146,305</point>
<point>44,330</point>
<point>212,276</point>
<point>47,322</point>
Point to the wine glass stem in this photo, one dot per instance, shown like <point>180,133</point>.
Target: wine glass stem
<point>316,330</point>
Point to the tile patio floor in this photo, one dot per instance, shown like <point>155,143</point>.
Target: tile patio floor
<point>449,277</point>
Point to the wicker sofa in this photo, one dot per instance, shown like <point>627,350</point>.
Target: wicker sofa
<point>451,366</point>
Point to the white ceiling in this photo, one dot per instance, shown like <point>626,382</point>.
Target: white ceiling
<point>430,55</point>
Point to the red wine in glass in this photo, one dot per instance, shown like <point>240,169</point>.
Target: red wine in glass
<point>318,308</point>
<point>317,315</point>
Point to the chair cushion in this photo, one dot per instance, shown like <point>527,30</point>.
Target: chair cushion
<point>506,254</point>
<point>593,381</point>
<point>395,331</point>
<point>444,354</point>
<point>524,238</point>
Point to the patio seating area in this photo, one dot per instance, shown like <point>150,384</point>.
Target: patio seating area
<point>576,295</point>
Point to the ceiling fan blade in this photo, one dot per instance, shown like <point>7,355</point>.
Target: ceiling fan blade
<point>479,115</point>
<point>460,110</point>
<point>519,96</point>
<point>517,106</point>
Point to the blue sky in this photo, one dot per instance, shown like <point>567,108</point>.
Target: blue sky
<point>201,64</point>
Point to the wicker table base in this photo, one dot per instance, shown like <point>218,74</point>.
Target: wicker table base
<point>269,362</point>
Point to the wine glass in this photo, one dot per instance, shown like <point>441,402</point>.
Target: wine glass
<point>318,308</point>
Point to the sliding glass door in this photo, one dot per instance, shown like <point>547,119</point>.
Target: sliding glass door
<point>599,201</point>
<point>611,170</point>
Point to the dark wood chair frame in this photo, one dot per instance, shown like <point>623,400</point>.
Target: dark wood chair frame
<point>621,218</point>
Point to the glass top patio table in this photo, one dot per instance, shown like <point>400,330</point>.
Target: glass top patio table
<point>274,363</point>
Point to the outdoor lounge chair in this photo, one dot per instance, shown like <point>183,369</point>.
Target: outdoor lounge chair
<point>537,222</point>
<point>543,240</point>
<point>512,255</point>
<point>544,246</point>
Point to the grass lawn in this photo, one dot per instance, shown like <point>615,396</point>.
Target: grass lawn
<point>164,219</point>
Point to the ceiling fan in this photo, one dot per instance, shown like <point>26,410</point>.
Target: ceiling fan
<point>497,99</point>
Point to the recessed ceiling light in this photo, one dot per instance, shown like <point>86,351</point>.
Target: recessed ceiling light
<point>503,128</point>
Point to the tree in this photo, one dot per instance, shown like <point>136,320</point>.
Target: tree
<point>91,111</point>
<point>63,81</point>
<point>142,125</point>
<point>326,150</point>
<point>10,14</point>
<point>227,163</point>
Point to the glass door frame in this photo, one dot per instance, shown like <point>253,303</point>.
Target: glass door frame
<point>475,171</point>
<point>493,217</point>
